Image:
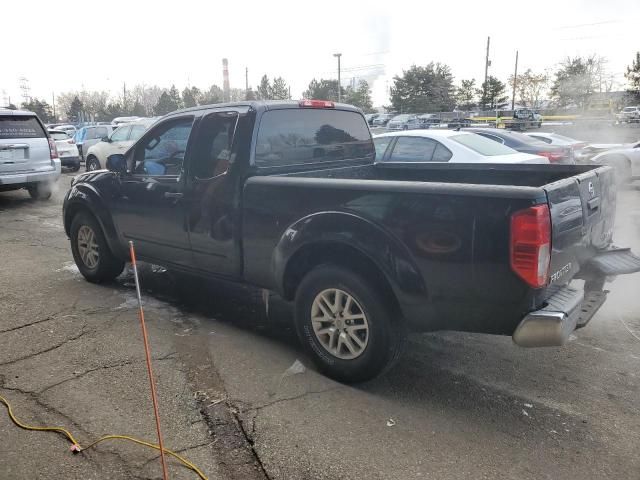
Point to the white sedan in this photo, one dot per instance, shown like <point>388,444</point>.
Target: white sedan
<point>450,146</point>
<point>624,158</point>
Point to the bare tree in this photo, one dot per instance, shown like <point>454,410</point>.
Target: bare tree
<point>530,88</point>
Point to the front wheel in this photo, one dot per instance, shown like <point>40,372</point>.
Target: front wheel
<point>92,164</point>
<point>346,325</point>
<point>91,252</point>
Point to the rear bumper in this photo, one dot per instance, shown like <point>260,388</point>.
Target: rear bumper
<point>50,175</point>
<point>570,308</point>
<point>551,326</point>
<point>70,161</point>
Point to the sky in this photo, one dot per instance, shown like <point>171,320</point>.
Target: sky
<point>73,45</point>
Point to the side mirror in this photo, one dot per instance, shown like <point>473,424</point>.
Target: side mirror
<point>117,163</point>
<point>105,139</point>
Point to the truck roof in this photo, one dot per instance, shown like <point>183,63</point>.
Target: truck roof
<point>21,113</point>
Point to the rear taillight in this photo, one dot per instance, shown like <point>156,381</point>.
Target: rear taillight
<point>316,103</point>
<point>530,248</point>
<point>53,150</point>
<point>552,156</point>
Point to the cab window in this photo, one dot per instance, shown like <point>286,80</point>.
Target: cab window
<point>162,151</point>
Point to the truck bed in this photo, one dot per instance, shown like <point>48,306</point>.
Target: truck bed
<point>454,221</point>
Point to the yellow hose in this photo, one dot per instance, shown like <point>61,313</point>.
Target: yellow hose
<point>77,448</point>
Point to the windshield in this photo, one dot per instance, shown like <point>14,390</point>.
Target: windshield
<point>482,145</point>
<point>59,135</point>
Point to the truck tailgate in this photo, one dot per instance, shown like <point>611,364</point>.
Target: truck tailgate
<point>582,217</point>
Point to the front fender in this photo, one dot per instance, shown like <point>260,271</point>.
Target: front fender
<point>84,196</point>
<point>381,247</point>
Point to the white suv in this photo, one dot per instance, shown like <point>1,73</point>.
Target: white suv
<point>118,142</point>
<point>28,156</point>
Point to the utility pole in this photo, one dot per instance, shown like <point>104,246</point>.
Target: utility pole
<point>515,83</point>
<point>487,63</point>
<point>338,55</point>
<point>246,80</point>
<point>53,104</point>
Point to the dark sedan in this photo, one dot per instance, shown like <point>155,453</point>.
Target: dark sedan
<point>524,143</point>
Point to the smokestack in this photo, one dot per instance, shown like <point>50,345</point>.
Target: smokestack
<point>225,80</point>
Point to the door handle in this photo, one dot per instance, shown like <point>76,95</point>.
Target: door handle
<point>173,195</point>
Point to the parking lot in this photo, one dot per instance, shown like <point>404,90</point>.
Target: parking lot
<point>455,406</point>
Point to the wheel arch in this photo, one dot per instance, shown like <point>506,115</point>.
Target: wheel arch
<point>347,240</point>
<point>86,199</point>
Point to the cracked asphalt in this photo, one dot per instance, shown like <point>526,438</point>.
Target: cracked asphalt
<point>456,405</point>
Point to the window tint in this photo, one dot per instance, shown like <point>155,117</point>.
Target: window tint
<point>58,135</point>
<point>413,149</point>
<point>305,136</point>
<point>441,154</point>
<point>136,132</point>
<point>482,145</point>
<point>162,152</point>
<point>491,137</point>
<point>121,134</point>
<point>212,150</point>
<point>20,127</point>
<point>381,144</point>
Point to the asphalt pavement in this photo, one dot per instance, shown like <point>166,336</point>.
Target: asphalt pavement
<point>240,399</point>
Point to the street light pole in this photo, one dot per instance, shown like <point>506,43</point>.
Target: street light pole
<point>338,55</point>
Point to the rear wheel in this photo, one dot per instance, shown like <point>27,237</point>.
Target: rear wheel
<point>345,324</point>
<point>91,252</point>
<point>75,167</point>
<point>92,164</point>
<point>40,191</point>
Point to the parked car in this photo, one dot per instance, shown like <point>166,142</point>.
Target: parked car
<point>28,157</point>
<point>523,143</point>
<point>88,136</point>
<point>382,119</point>
<point>629,114</point>
<point>67,150</point>
<point>624,158</point>
<point>459,123</point>
<point>405,121</point>
<point>118,142</point>
<point>122,120</point>
<point>68,129</point>
<point>428,120</point>
<point>370,117</point>
<point>445,146</point>
<point>577,146</point>
<point>364,251</point>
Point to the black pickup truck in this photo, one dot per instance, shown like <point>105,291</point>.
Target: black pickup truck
<point>286,196</point>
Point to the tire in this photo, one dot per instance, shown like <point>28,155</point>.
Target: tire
<point>101,265</point>
<point>92,164</point>
<point>383,339</point>
<point>76,167</point>
<point>40,191</point>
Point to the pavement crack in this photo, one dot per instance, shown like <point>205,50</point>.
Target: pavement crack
<point>49,349</point>
<point>42,320</point>
<point>124,363</point>
<point>296,397</point>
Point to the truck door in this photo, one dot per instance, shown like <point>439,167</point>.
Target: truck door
<point>211,195</point>
<point>149,207</point>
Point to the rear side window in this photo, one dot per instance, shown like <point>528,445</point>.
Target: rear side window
<point>482,145</point>
<point>308,136</point>
<point>413,149</point>
<point>20,127</point>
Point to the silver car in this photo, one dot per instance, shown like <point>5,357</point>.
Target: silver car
<point>88,136</point>
<point>406,121</point>
<point>28,156</point>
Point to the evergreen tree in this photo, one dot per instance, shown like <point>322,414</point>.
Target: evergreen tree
<point>633,77</point>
